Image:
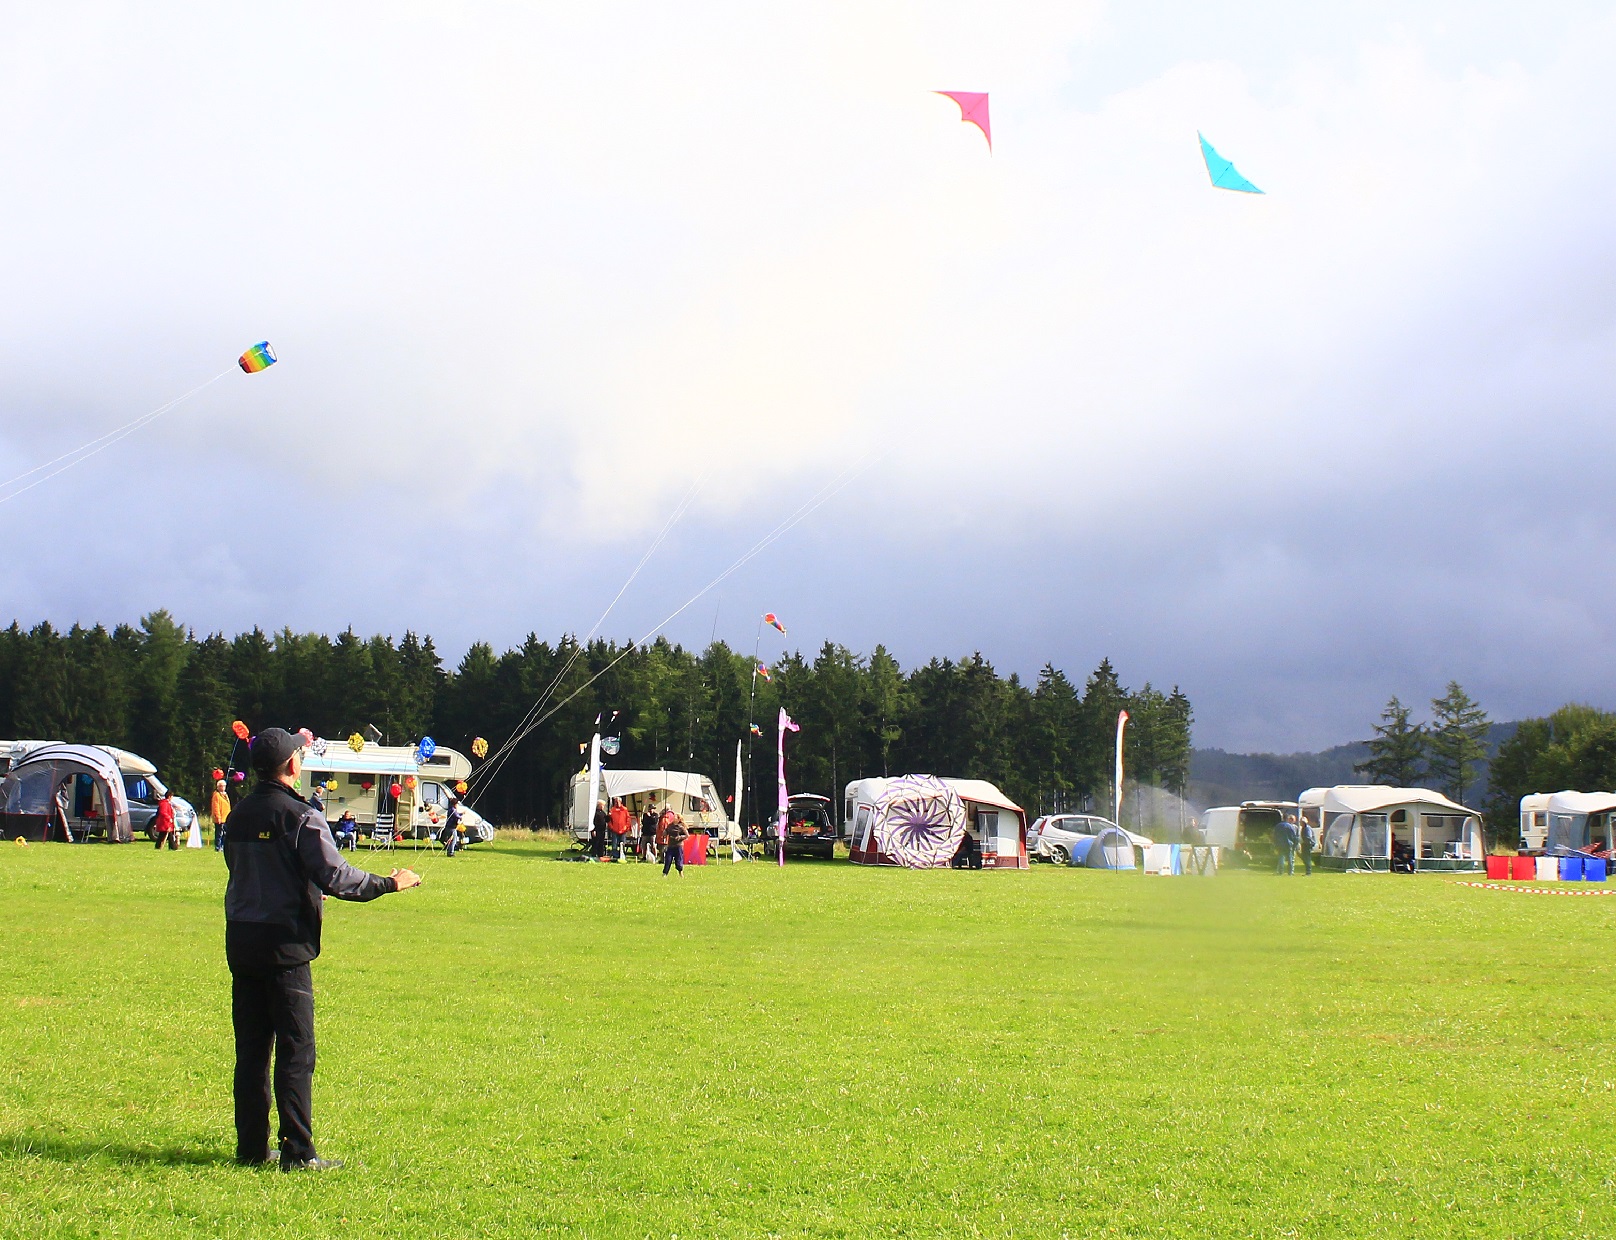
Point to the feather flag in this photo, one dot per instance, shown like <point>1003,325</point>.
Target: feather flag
<point>771,619</point>
<point>787,724</point>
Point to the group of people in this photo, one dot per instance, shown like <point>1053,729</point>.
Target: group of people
<point>658,832</point>
<point>1291,837</point>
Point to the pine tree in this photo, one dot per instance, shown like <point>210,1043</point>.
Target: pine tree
<point>1397,752</point>
<point>1457,740</point>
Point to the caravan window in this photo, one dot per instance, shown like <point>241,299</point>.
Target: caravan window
<point>136,788</point>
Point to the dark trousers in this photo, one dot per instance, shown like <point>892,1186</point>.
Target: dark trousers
<point>165,837</point>
<point>273,1010</point>
<point>673,855</point>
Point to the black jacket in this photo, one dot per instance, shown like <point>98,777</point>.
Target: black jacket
<point>282,859</point>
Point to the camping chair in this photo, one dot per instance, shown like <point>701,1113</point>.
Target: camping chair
<point>381,835</point>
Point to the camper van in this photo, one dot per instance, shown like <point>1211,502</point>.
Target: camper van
<point>692,797</point>
<point>365,779</point>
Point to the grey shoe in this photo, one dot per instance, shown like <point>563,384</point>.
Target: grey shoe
<point>268,1160</point>
<point>311,1164</point>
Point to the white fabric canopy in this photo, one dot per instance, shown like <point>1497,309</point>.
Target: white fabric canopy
<point>1368,798</point>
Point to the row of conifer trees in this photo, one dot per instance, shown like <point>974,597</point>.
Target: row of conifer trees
<point>164,692</point>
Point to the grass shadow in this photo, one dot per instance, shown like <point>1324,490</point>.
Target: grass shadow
<point>60,1149</point>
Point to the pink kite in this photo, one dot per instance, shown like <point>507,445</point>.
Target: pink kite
<point>973,110</point>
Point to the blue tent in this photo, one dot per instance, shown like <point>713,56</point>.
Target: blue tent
<point>1111,849</point>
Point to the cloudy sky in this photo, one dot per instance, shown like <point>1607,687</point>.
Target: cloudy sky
<point>541,275</point>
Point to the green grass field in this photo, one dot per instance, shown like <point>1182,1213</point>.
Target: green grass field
<point>524,1046</point>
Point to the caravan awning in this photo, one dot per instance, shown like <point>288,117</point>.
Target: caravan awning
<point>1369,798</point>
<point>1581,802</point>
<point>627,783</point>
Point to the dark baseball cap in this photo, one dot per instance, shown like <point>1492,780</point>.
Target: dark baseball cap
<point>272,747</point>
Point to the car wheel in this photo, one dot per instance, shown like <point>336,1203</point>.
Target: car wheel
<point>1059,855</point>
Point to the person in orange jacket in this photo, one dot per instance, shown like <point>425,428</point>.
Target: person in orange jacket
<point>219,808</point>
<point>617,825</point>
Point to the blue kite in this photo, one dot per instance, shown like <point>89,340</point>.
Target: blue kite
<point>1222,172</point>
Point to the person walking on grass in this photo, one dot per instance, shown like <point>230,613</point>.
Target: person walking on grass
<point>648,832</point>
<point>1285,837</point>
<point>163,825</point>
<point>617,824</point>
<point>671,828</point>
<point>219,809</point>
<point>283,863</point>
<point>1309,843</point>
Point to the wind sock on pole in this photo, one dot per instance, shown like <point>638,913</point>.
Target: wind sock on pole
<point>594,774</point>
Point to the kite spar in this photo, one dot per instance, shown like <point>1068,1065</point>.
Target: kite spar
<point>973,108</point>
<point>1223,172</point>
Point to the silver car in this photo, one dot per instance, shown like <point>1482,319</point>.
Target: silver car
<point>1052,836</point>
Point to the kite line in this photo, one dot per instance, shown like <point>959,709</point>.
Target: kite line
<point>84,452</point>
<point>805,509</point>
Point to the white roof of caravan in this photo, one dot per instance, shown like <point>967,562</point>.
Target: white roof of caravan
<point>1536,800</point>
<point>1367,798</point>
<point>982,792</point>
<point>1580,802</point>
<point>627,783</point>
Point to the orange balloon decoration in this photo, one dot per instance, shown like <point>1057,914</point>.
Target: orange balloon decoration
<point>240,730</point>
<point>409,781</point>
<point>460,787</point>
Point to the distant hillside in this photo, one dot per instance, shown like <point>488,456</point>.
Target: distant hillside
<point>1219,778</point>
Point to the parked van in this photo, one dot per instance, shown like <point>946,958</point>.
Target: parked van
<point>364,785</point>
<point>1245,828</point>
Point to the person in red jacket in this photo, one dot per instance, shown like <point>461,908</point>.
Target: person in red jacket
<point>617,825</point>
<point>163,824</point>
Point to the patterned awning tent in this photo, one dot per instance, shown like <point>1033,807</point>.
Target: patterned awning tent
<point>917,822</point>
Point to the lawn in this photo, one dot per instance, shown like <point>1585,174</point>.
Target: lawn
<point>524,1046</point>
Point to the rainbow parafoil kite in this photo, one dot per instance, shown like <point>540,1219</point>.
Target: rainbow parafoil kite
<point>259,357</point>
<point>973,108</point>
<point>1222,172</point>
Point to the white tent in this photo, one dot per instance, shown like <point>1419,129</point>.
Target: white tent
<point>1371,826</point>
<point>1578,820</point>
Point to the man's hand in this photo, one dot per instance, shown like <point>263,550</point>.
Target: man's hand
<point>406,879</point>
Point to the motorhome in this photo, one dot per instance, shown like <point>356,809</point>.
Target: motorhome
<point>365,779</point>
<point>692,796</point>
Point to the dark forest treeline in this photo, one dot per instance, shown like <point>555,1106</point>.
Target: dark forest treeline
<point>163,692</point>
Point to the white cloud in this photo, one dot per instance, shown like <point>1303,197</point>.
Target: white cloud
<point>585,254</point>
